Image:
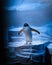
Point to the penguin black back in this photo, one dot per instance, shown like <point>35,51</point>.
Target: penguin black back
<point>25,25</point>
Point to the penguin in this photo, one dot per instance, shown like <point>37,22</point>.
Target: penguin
<point>28,32</point>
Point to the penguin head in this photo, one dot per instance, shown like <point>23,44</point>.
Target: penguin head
<point>25,25</point>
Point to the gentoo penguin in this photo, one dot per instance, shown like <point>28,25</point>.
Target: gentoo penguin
<point>28,32</point>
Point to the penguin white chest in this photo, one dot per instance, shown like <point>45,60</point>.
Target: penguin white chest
<point>28,34</point>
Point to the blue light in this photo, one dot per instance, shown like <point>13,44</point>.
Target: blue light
<point>26,6</point>
<point>37,13</point>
